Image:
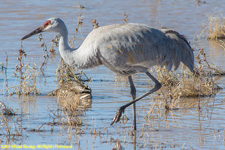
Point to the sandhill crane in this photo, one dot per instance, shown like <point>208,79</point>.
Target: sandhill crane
<point>125,49</point>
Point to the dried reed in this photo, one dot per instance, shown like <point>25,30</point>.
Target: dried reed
<point>216,28</point>
<point>9,132</point>
<point>73,97</point>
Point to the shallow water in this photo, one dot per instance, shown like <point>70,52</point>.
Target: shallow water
<point>186,128</point>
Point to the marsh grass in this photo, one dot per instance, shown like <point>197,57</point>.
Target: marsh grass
<point>28,73</point>
<point>27,77</point>
<point>46,53</point>
<point>64,72</point>
<point>11,133</point>
<point>73,97</point>
<point>69,104</point>
<point>215,28</point>
<point>196,84</point>
<point>28,82</point>
<point>184,84</point>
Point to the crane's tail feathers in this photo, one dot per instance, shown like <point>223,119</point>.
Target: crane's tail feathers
<point>182,49</point>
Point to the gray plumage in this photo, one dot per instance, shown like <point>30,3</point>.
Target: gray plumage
<point>125,49</point>
<point>130,48</point>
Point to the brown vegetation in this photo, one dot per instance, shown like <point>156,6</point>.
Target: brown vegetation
<point>72,97</point>
<point>216,27</point>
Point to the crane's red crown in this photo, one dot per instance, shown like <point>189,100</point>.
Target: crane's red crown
<point>48,22</point>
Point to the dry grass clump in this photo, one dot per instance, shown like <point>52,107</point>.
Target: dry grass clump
<point>75,93</point>
<point>188,84</point>
<point>216,27</point>
<point>195,87</point>
<point>73,97</point>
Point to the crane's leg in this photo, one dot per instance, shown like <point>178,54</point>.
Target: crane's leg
<point>122,108</point>
<point>133,94</point>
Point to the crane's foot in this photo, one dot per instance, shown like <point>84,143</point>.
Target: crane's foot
<point>118,114</point>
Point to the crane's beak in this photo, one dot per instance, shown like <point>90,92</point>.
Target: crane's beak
<point>38,30</point>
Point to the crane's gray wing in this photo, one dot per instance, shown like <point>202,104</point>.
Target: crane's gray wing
<point>133,47</point>
<point>182,49</point>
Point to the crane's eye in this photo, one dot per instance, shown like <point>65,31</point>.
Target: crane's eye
<point>48,22</point>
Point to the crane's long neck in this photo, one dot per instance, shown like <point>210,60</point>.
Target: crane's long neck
<point>81,57</point>
<point>64,47</point>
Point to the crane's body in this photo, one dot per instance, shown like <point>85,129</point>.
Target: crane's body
<point>125,49</point>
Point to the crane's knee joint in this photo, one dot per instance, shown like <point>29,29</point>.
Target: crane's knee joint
<point>158,85</point>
